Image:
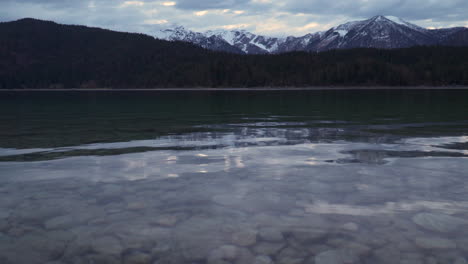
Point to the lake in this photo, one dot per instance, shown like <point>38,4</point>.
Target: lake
<point>285,177</point>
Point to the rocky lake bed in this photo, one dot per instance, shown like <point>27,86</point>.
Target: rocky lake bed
<point>234,187</point>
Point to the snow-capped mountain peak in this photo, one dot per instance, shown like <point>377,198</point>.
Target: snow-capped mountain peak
<point>402,22</point>
<point>246,41</point>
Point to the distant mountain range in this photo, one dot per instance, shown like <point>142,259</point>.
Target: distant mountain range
<point>42,54</point>
<point>385,32</point>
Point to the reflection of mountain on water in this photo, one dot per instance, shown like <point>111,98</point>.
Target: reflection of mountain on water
<point>52,120</point>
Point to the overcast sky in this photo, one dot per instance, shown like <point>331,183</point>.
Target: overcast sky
<point>269,17</point>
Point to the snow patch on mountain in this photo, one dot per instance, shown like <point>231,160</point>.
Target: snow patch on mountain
<point>342,32</point>
<point>228,36</point>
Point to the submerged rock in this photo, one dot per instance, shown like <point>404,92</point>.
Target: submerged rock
<point>263,260</point>
<point>271,235</point>
<point>97,258</point>
<point>226,252</point>
<point>245,238</point>
<point>37,247</point>
<point>4,238</point>
<point>438,222</point>
<point>167,220</point>
<point>431,260</point>
<point>290,256</point>
<point>4,225</point>
<point>80,216</point>
<point>356,248</point>
<point>297,212</point>
<point>306,235</point>
<point>107,245</point>
<point>4,214</point>
<point>335,257</point>
<point>137,258</point>
<point>198,236</point>
<point>463,244</point>
<point>227,200</point>
<point>388,254</point>
<point>244,256</point>
<point>434,243</point>
<point>411,259</point>
<point>350,227</point>
<point>267,248</point>
<point>61,222</point>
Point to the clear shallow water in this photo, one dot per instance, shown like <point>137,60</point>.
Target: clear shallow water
<point>234,177</point>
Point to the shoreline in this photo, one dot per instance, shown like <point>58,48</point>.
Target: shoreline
<point>241,89</point>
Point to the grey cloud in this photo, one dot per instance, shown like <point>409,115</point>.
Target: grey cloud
<point>107,14</point>
<point>407,9</point>
<point>54,4</point>
<point>210,4</point>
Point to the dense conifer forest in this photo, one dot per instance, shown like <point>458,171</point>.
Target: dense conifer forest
<point>40,54</point>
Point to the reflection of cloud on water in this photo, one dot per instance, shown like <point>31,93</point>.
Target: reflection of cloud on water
<point>239,163</point>
<point>436,140</point>
<point>279,159</point>
<point>256,137</point>
<point>312,161</point>
<point>171,158</point>
<point>436,143</point>
<point>388,208</point>
<point>135,164</point>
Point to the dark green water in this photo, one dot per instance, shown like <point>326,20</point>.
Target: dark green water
<point>351,176</point>
<point>54,119</point>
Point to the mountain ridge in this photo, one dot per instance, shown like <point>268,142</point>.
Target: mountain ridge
<point>387,32</point>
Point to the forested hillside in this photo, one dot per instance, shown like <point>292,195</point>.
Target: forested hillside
<point>39,54</point>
